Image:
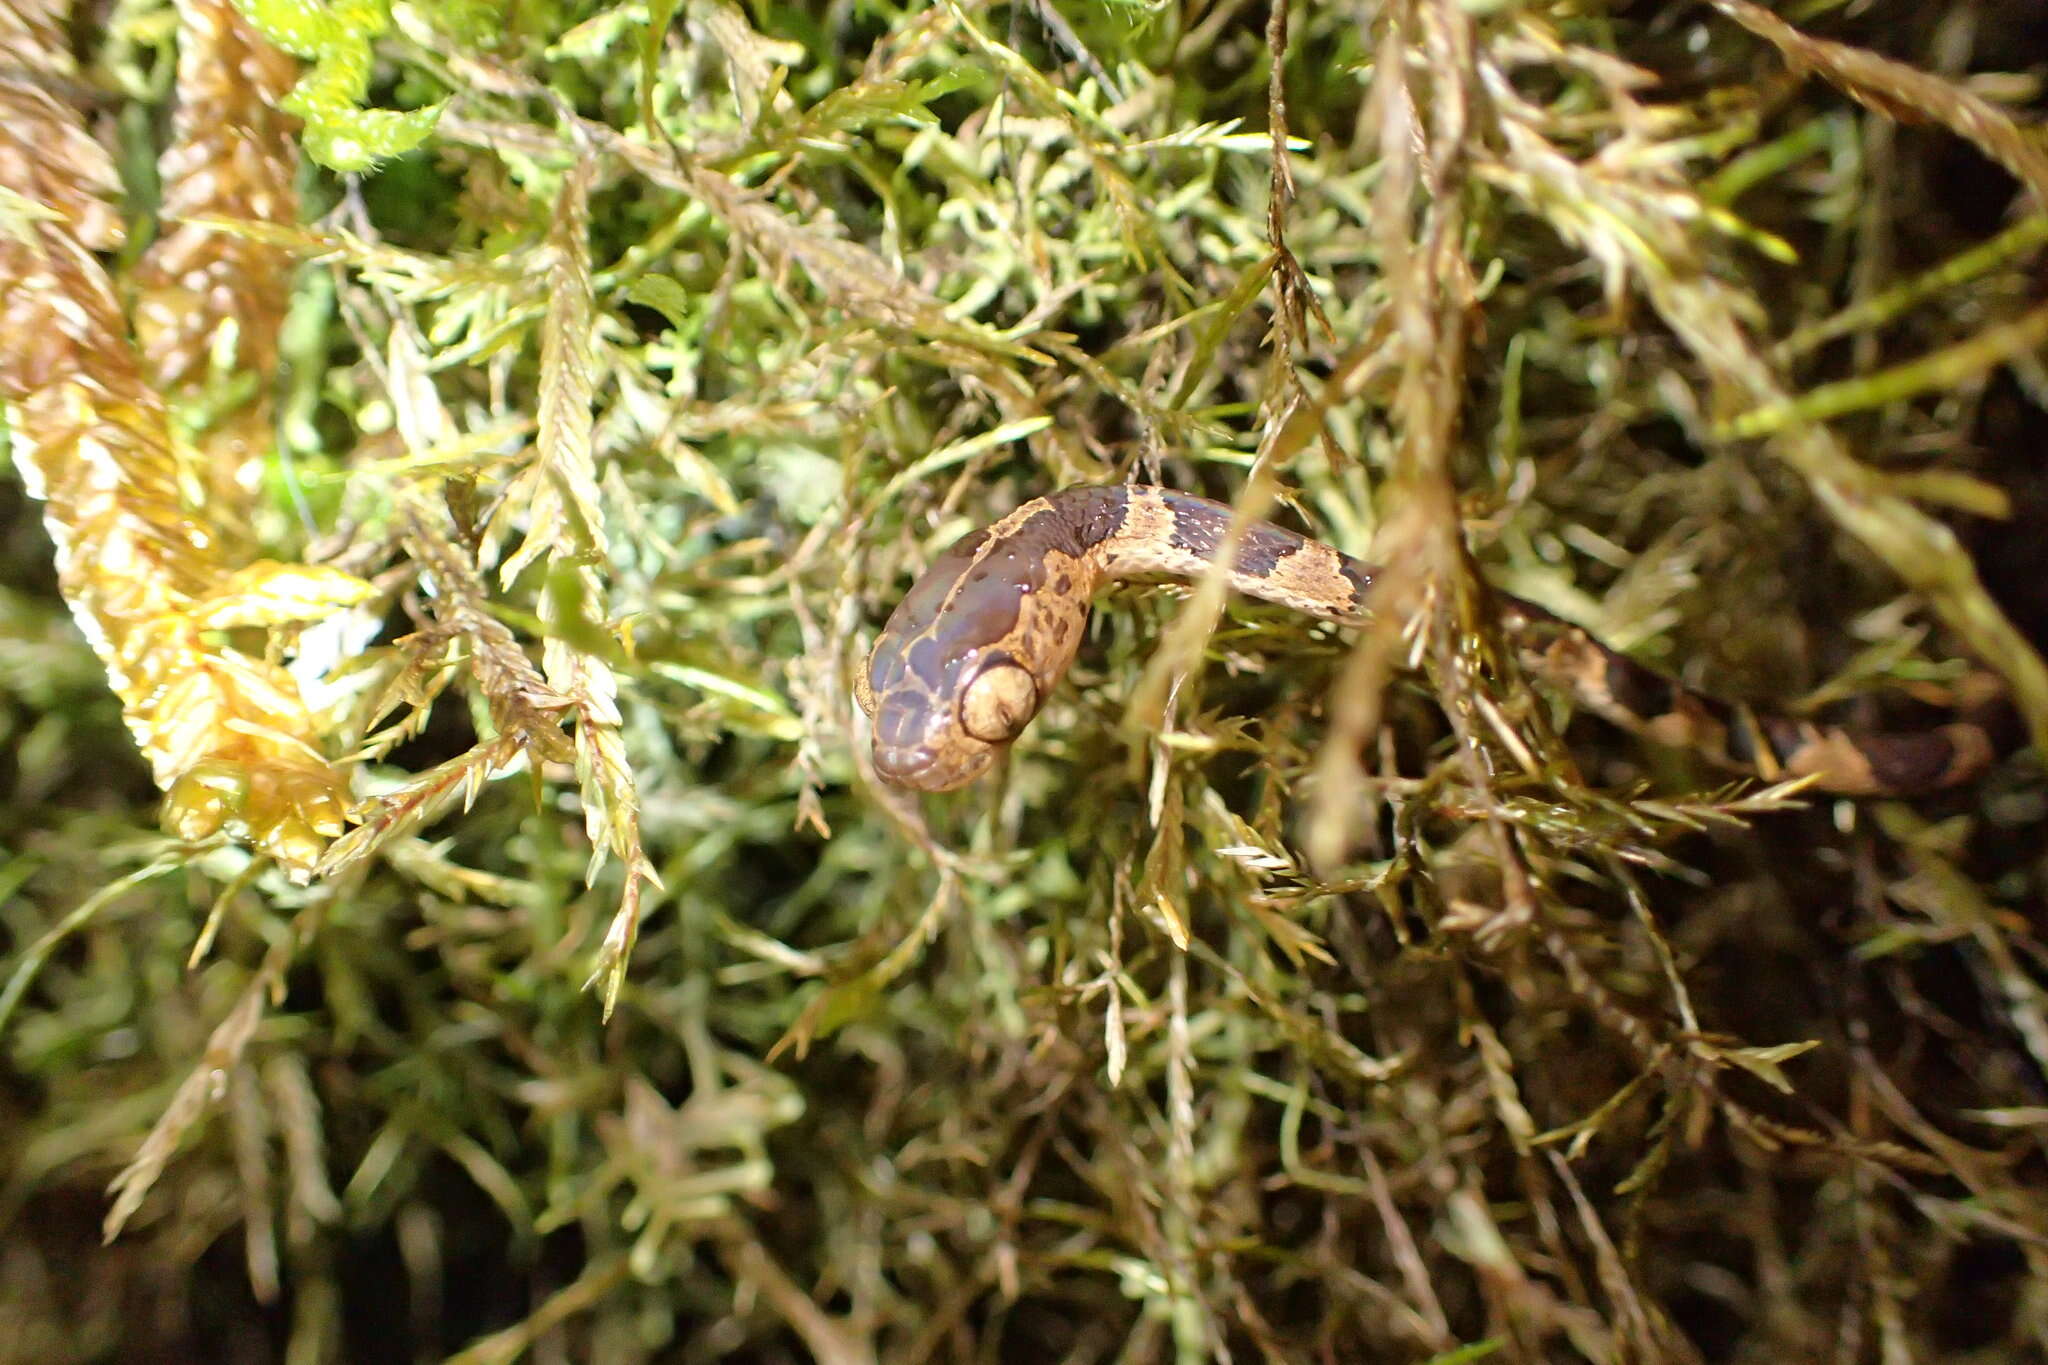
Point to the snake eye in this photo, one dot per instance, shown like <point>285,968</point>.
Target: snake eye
<point>999,703</point>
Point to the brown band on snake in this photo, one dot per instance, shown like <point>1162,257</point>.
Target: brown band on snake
<point>983,637</point>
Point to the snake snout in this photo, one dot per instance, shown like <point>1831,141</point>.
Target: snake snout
<point>902,765</point>
<point>925,768</point>
<point>918,744</point>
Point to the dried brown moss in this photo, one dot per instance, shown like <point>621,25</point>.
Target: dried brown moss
<point>226,735</point>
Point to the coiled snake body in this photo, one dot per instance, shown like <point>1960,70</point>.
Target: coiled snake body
<point>983,637</point>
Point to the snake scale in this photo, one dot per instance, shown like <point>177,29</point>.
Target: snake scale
<point>983,637</point>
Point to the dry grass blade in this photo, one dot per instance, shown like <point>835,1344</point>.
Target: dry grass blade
<point>32,34</point>
<point>203,1089</point>
<point>1899,91</point>
<point>226,734</point>
<point>231,156</point>
<point>1634,232</point>
<point>557,498</point>
<point>555,495</point>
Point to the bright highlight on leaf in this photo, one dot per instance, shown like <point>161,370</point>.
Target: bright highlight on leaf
<point>271,594</point>
<point>337,38</point>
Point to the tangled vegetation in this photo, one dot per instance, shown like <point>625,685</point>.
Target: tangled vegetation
<point>465,449</point>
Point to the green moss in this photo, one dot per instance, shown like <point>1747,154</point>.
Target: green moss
<point>1276,1001</point>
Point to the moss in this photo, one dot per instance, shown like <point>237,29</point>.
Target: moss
<point>1290,994</point>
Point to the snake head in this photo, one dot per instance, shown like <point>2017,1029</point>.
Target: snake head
<point>971,651</point>
<point>938,734</point>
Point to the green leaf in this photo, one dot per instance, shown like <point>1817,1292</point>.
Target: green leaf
<point>340,133</point>
<point>660,14</point>
<point>664,295</point>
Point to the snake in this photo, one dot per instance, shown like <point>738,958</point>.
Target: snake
<point>985,634</point>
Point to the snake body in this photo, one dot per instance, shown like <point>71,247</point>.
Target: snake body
<point>983,637</point>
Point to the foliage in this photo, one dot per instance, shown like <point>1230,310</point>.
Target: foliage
<point>337,38</point>
<point>480,548</point>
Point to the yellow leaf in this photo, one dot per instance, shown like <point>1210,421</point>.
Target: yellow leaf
<point>268,593</point>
